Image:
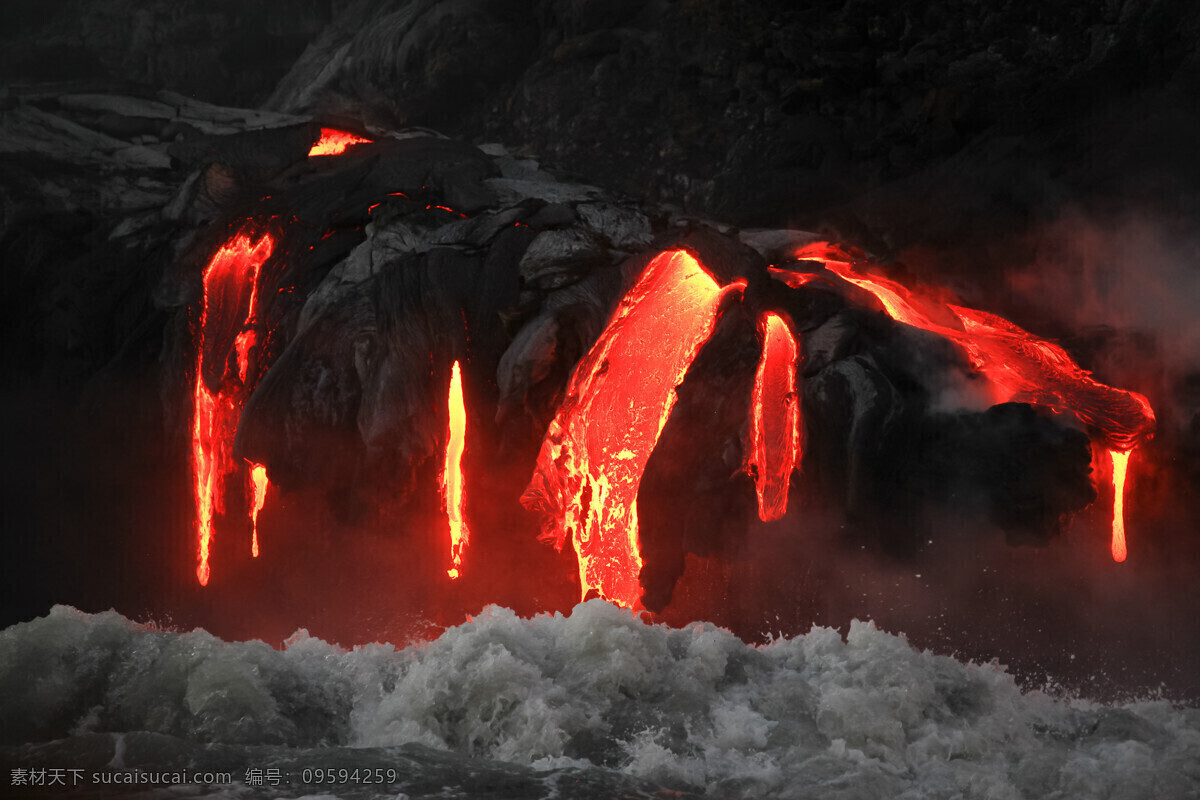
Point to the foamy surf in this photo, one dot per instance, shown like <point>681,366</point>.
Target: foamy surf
<point>598,704</point>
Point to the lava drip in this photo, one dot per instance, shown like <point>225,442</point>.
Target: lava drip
<point>775,423</point>
<point>1019,366</point>
<point>1120,466</point>
<point>452,474</point>
<point>618,400</point>
<point>334,142</point>
<point>258,493</point>
<point>229,290</point>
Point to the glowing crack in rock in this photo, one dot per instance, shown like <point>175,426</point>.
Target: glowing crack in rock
<point>1019,366</point>
<point>258,498</point>
<point>334,142</point>
<point>617,402</point>
<point>247,338</point>
<point>775,423</point>
<point>452,474</point>
<point>229,288</point>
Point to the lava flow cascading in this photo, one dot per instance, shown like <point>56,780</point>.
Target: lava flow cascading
<point>1020,367</point>
<point>229,290</point>
<point>334,142</point>
<point>452,475</point>
<point>618,400</point>
<point>776,426</point>
<point>258,493</point>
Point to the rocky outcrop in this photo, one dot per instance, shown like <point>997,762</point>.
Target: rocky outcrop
<point>413,251</point>
<point>897,126</point>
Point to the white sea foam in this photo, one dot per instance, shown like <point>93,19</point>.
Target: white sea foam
<point>598,692</point>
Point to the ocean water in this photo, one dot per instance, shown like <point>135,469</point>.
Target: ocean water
<point>595,704</point>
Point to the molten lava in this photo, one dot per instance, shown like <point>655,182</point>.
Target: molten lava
<point>1120,465</point>
<point>618,400</point>
<point>248,337</point>
<point>775,423</point>
<point>229,289</point>
<point>335,142</point>
<point>1019,366</point>
<point>452,475</point>
<point>258,494</point>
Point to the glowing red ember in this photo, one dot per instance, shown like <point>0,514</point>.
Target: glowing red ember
<point>1019,366</point>
<point>229,284</point>
<point>775,424</point>
<point>452,475</point>
<point>334,142</point>
<point>618,400</point>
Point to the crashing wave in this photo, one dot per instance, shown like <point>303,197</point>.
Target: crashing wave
<point>599,699</point>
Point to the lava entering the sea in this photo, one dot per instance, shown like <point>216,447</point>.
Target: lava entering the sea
<point>229,290</point>
<point>776,425</point>
<point>452,474</point>
<point>1019,366</point>
<point>618,399</point>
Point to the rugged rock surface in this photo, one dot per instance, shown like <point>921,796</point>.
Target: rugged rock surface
<point>771,114</point>
<point>224,52</point>
<point>915,125</point>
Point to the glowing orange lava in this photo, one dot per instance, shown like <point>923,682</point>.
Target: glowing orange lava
<point>1019,366</point>
<point>618,400</point>
<point>775,422</point>
<point>334,142</point>
<point>258,491</point>
<point>452,475</point>
<point>1120,465</point>
<point>248,337</point>
<point>229,283</point>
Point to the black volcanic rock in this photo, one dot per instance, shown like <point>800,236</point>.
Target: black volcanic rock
<point>764,112</point>
<point>759,113</point>
<point>695,495</point>
<point>225,52</point>
<point>301,419</point>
